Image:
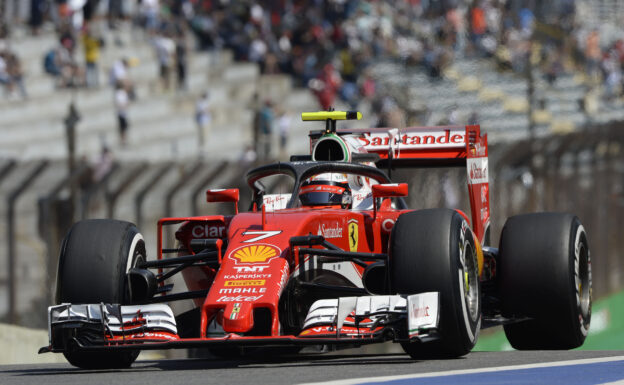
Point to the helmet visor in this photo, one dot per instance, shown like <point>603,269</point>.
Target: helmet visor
<point>321,194</point>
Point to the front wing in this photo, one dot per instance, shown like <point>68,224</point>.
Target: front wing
<point>345,320</point>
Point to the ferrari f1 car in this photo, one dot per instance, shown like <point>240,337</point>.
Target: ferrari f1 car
<point>328,253</point>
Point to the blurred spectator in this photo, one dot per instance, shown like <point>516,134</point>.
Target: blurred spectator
<point>37,10</point>
<point>593,53</point>
<point>256,107</point>
<point>258,51</point>
<point>612,70</point>
<point>367,88</point>
<point>478,23</point>
<point>51,63</point>
<point>122,101</point>
<point>247,157</point>
<point>266,128</point>
<point>93,171</point>
<point>4,73</point>
<point>91,44</point>
<point>60,63</point>
<point>119,73</point>
<point>149,14</point>
<point>15,75</point>
<point>203,117</point>
<point>165,48</point>
<point>284,121</point>
<point>553,67</point>
<point>181,60</point>
<point>115,12</point>
<point>102,165</point>
<point>326,85</point>
<point>69,67</point>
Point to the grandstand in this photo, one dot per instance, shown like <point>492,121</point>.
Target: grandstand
<point>162,134</point>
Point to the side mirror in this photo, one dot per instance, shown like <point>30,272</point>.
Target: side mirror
<point>389,190</point>
<point>223,195</point>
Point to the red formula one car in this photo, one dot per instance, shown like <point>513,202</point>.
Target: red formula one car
<point>329,254</point>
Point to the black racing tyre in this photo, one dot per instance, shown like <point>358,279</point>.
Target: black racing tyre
<point>545,274</point>
<point>95,256</point>
<point>434,250</point>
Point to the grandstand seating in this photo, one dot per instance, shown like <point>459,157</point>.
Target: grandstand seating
<point>162,130</point>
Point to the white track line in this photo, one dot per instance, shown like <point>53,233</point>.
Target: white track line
<point>353,381</point>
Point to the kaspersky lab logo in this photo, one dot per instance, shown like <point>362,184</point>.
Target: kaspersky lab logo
<point>259,253</point>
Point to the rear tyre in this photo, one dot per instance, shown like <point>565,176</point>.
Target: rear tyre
<point>545,274</point>
<point>95,257</point>
<point>434,250</point>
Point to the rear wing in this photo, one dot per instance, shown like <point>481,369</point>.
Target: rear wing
<point>415,146</point>
<point>454,146</point>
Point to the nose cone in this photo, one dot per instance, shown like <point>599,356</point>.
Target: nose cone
<point>238,317</point>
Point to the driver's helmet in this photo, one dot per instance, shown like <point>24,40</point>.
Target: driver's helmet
<point>328,189</point>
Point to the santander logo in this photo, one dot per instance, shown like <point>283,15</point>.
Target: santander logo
<point>410,140</point>
<point>476,173</point>
<point>477,170</point>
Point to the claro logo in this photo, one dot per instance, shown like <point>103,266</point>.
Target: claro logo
<point>207,231</point>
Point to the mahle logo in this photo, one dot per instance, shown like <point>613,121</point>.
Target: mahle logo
<point>255,253</point>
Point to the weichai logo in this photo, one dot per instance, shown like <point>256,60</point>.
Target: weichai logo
<point>255,253</point>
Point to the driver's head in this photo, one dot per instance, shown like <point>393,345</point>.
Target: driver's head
<point>326,190</point>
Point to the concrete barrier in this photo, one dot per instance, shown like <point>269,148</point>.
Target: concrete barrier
<point>20,346</point>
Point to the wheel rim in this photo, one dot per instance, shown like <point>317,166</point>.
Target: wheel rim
<point>469,280</point>
<point>584,286</point>
<point>139,255</point>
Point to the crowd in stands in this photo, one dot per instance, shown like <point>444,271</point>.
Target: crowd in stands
<point>327,45</point>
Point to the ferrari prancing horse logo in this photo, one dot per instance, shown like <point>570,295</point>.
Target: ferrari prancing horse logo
<point>353,234</point>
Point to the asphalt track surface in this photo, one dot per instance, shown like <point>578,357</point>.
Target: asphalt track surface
<point>513,367</point>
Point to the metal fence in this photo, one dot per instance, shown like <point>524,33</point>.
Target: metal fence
<point>38,209</point>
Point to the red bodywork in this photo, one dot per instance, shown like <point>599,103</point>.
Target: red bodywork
<point>254,271</point>
<point>256,259</point>
<point>259,260</point>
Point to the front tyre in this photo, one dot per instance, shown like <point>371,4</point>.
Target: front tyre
<point>434,250</point>
<point>95,257</point>
<point>545,275</point>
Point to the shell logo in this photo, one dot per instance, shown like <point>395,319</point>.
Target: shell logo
<point>255,253</point>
